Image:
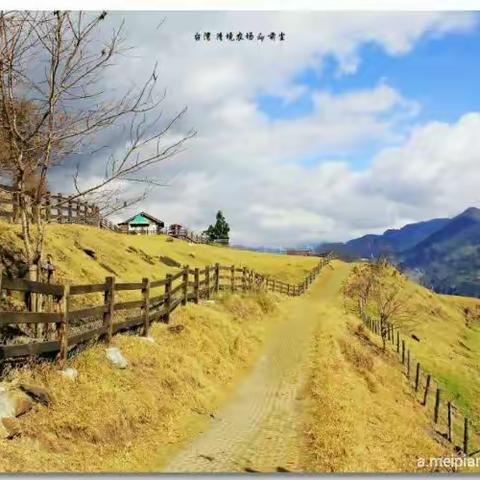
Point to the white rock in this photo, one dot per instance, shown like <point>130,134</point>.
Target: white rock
<point>116,358</point>
<point>209,301</point>
<point>70,373</point>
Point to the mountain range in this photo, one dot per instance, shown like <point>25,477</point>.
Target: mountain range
<point>442,254</point>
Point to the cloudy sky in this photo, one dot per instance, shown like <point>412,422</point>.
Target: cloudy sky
<point>355,123</point>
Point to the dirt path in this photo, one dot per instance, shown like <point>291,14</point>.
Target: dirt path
<point>260,429</point>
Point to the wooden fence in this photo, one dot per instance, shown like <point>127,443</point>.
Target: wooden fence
<point>188,285</point>
<point>55,208</point>
<point>189,236</point>
<point>448,421</point>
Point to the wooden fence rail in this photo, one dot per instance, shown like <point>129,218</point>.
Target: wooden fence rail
<point>55,208</point>
<point>445,415</point>
<point>188,285</point>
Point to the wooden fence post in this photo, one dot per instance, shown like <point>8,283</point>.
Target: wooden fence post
<point>398,341</point>
<point>217,277</point>
<point>109,304</point>
<point>168,297</point>
<point>427,388</point>
<point>70,210</point>
<point>78,215</point>
<point>186,269</point>
<point>63,327</point>
<point>59,209</point>
<point>403,352</point>
<point>207,280</point>
<point>417,376</point>
<point>437,406</point>
<point>197,285</point>
<point>449,421</point>
<point>465,436</point>
<point>146,305</point>
<point>232,279</point>
<point>244,279</point>
<point>274,285</point>
<point>408,363</point>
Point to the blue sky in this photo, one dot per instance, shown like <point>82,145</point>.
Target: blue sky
<point>441,73</point>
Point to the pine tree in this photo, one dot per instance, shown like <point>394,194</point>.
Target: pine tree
<point>219,231</point>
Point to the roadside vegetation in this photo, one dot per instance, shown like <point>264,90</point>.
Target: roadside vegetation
<point>363,416</point>
<point>444,330</point>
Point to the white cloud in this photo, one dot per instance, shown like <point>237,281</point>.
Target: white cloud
<point>255,169</point>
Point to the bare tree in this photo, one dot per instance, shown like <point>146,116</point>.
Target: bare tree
<point>357,288</point>
<point>377,287</point>
<point>55,63</point>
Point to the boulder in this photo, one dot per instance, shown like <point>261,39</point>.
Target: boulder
<point>192,254</point>
<point>39,394</point>
<point>116,358</point>
<point>70,373</point>
<point>14,403</point>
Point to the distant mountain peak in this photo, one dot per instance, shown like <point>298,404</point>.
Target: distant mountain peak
<point>471,212</point>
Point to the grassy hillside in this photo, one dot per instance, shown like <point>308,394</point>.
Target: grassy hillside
<point>132,257</point>
<point>362,416</point>
<point>448,329</point>
<point>449,344</point>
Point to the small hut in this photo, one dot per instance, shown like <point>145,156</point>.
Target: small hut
<point>142,223</point>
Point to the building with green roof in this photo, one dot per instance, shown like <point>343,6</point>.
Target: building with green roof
<point>142,223</point>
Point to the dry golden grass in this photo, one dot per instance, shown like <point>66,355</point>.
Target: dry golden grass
<point>449,343</point>
<point>362,415</point>
<point>132,257</point>
<point>132,419</point>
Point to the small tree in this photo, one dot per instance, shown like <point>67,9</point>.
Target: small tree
<point>219,231</point>
<point>376,287</point>
<point>357,289</point>
<point>389,305</point>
